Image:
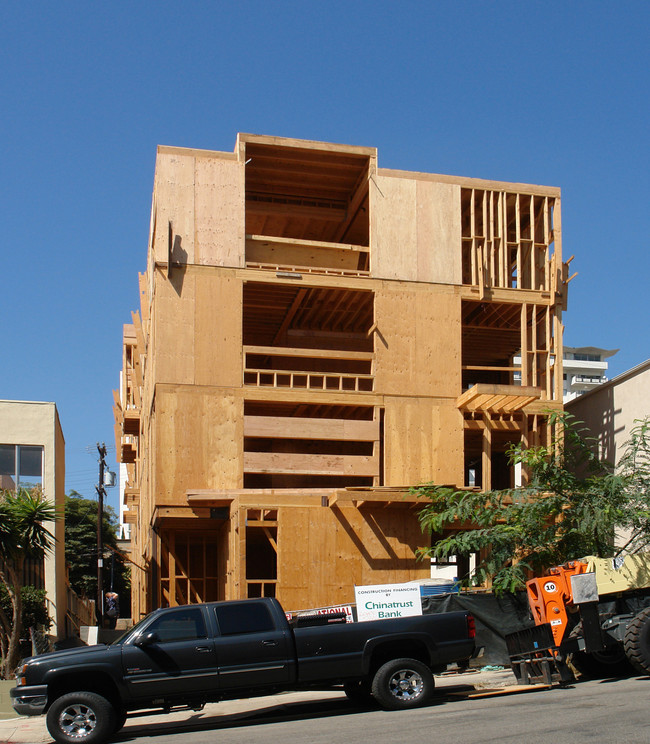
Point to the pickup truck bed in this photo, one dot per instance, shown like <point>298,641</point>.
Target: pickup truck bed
<point>187,656</point>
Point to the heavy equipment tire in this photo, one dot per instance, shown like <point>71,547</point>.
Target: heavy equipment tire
<point>359,693</point>
<point>403,683</point>
<point>81,718</point>
<point>637,642</point>
<point>606,664</point>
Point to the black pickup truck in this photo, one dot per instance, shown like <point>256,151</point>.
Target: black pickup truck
<point>188,656</point>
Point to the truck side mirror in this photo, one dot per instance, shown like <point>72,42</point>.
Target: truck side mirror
<point>146,639</point>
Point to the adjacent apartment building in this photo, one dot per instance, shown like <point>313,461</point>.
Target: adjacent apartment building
<point>32,455</point>
<point>317,334</point>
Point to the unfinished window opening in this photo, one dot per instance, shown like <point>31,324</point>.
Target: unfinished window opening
<point>290,445</point>
<point>308,338</point>
<point>491,341</point>
<point>507,239</point>
<point>304,193</point>
<point>189,567</point>
<point>261,552</point>
<point>503,471</point>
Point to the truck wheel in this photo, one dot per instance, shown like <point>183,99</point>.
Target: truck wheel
<point>359,693</point>
<point>403,683</point>
<point>81,718</point>
<point>637,641</point>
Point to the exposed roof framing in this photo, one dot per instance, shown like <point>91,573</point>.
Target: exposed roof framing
<point>491,331</point>
<point>497,398</point>
<point>306,192</point>
<point>271,309</point>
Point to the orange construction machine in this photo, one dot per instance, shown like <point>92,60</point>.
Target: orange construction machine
<point>591,615</point>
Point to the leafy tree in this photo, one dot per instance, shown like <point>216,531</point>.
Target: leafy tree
<point>570,508</point>
<point>34,612</point>
<point>81,548</point>
<point>23,535</point>
<point>634,466</point>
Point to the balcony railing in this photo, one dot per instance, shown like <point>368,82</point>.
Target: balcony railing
<point>308,369</point>
<point>306,256</point>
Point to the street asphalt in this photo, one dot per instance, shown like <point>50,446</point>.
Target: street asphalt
<point>32,730</point>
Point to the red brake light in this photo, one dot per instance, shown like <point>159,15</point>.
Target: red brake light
<point>471,626</point>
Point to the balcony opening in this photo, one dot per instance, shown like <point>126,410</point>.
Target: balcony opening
<point>491,341</point>
<point>307,209</point>
<point>301,192</point>
<point>308,338</point>
<point>292,445</point>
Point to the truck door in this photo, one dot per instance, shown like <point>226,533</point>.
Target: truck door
<point>251,650</point>
<point>171,656</point>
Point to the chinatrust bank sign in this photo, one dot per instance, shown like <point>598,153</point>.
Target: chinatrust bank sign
<point>387,600</point>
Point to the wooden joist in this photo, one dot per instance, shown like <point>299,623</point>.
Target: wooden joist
<point>282,427</point>
<point>286,462</point>
<point>497,398</point>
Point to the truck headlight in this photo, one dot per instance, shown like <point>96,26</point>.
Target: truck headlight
<point>20,675</point>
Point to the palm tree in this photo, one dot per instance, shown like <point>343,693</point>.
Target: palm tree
<point>23,535</point>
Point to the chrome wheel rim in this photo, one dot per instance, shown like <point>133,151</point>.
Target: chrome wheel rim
<point>406,685</point>
<point>77,721</point>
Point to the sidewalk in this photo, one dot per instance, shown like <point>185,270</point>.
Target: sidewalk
<point>22,730</point>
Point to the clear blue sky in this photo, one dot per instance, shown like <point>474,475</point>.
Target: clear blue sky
<point>552,93</point>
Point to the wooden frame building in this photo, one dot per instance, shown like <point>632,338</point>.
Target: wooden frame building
<point>317,334</point>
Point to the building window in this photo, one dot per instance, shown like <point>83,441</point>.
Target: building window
<point>21,466</point>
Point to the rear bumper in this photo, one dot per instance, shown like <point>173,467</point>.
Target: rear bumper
<point>29,700</point>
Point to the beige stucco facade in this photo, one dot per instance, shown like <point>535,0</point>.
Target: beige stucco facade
<point>610,410</point>
<point>37,424</point>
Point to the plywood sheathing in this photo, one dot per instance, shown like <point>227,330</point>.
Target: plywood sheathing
<point>185,416</point>
<point>201,194</point>
<point>426,359</point>
<point>198,332</point>
<point>367,546</point>
<point>423,441</point>
<point>415,230</point>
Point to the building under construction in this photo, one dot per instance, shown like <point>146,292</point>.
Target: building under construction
<point>317,334</point>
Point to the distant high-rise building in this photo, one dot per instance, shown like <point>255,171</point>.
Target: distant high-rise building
<point>585,367</point>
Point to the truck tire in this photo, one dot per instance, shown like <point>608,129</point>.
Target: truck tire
<point>81,718</point>
<point>403,683</point>
<point>637,642</point>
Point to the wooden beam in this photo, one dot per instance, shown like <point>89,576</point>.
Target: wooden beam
<point>302,243</point>
<point>286,462</point>
<point>267,532</point>
<point>283,427</point>
<point>288,351</point>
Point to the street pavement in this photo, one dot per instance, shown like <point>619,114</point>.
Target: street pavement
<point>32,730</point>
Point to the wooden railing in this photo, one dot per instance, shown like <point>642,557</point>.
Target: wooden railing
<point>307,379</point>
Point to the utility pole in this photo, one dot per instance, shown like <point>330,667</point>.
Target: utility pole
<point>101,493</point>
